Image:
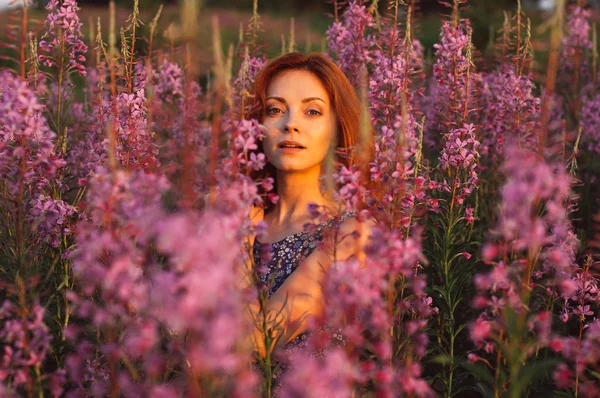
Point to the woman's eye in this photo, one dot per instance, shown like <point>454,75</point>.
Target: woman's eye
<point>273,111</point>
<point>313,112</point>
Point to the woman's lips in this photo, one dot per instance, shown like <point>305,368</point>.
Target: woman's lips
<point>285,149</point>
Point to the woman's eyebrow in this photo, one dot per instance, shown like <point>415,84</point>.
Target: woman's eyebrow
<point>312,99</point>
<point>303,101</point>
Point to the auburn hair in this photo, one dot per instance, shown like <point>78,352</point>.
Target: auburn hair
<point>343,97</point>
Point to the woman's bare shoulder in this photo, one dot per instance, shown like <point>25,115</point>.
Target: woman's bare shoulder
<point>357,224</point>
<point>353,234</point>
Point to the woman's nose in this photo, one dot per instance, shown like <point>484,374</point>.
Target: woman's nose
<point>291,124</point>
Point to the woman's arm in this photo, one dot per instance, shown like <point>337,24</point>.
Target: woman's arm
<point>301,296</point>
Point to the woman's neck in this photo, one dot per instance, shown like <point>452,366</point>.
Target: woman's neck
<point>296,190</point>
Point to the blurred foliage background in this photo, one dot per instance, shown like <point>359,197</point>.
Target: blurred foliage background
<point>311,18</point>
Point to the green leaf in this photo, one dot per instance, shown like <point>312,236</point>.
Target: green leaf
<point>479,371</point>
<point>468,388</point>
<point>535,370</point>
<point>441,359</point>
<point>567,393</point>
<point>595,374</point>
<point>460,329</point>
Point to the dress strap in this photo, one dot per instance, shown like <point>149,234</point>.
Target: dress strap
<point>330,222</point>
<point>348,214</point>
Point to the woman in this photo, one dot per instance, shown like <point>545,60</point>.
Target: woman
<point>310,110</point>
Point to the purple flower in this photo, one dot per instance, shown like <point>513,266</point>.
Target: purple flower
<point>460,153</point>
<point>350,189</point>
<point>135,146</point>
<point>583,311</point>
<point>455,77</point>
<point>531,181</point>
<point>242,83</point>
<point>533,231</point>
<point>351,41</point>
<point>168,83</point>
<point>460,149</point>
<point>513,113</point>
<point>51,219</point>
<point>412,383</point>
<point>397,145</point>
<point>576,51</point>
<point>25,340</point>
<point>330,376</point>
<point>25,138</point>
<point>480,330</point>
<point>563,377</point>
<point>589,117</point>
<point>63,28</point>
<point>154,271</point>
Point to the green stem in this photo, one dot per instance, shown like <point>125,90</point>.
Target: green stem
<point>448,297</point>
<point>62,140</point>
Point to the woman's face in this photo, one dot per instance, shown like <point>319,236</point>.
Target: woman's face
<point>300,122</point>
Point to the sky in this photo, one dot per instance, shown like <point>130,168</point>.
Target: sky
<point>4,4</point>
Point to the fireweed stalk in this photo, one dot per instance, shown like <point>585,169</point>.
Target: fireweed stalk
<point>400,177</point>
<point>36,201</point>
<point>577,84</point>
<point>351,41</point>
<point>531,250</point>
<point>576,67</point>
<point>579,57</point>
<point>246,134</point>
<point>508,93</point>
<point>453,186</point>
<point>454,73</point>
<point>179,335</point>
<point>398,155</point>
<point>27,347</point>
<point>29,162</point>
<point>357,316</point>
<point>589,120</point>
<point>579,307</point>
<point>253,59</point>
<point>243,161</point>
<point>62,47</point>
<point>34,225</point>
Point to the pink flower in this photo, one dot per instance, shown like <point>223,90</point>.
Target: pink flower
<point>472,357</point>
<point>480,330</point>
<point>452,75</point>
<point>26,345</point>
<point>513,112</point>
<point>563,377</point>
<point>168,83</point>
<point>63,28</point>
<point>310,377</point>
<point>24,134</point>
<point>556,344</point>
<point>576,49</point>
<point>350,41</point>
<point>583,311</point>
<point>51,219</point>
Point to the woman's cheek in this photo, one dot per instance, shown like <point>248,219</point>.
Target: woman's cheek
<point>268,145</point>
